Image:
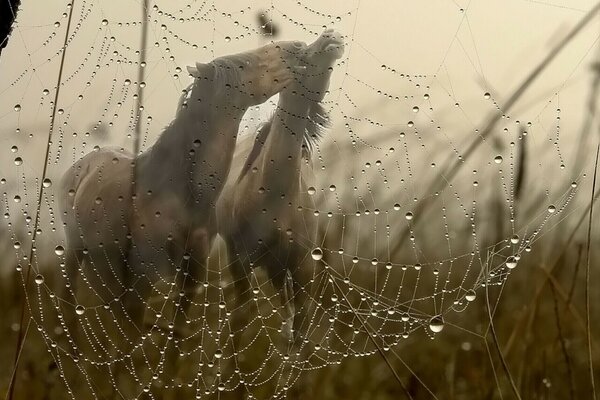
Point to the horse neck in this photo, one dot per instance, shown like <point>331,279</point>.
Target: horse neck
<point>282,153</point>
<point>179,163</point>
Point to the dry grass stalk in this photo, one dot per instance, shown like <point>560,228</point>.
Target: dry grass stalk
<point>587,279</point>
<point>20,337</point>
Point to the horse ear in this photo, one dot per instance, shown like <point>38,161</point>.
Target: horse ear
<point>204,69</point>
<point>200,70</point>
<point>192,71</point>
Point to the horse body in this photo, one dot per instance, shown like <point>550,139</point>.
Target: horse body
<point>130,238</point>
<point>257,213</point>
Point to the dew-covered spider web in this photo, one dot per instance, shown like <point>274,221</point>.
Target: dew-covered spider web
<point>410,202</point>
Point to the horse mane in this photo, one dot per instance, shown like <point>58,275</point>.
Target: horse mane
<point>318,122</point>
<point>226,70</point>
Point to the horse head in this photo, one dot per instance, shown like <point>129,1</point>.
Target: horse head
<point>316,62</point>
<point>251,77</point>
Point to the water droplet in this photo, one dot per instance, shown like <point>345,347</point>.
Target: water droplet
<point>104,22</point>
<point>415,109</point>
<point>436,324</point>
<point>47,183</point>
<point>487,95</point>
<point>409,216</point>
<point>511,262</point>
<point>551,208</point>
<point>317,254</point>
<point>471,295</point>
<point>79,310</point>
<point>332,188</point>
<point>39,279</point>
<point>514,239</point>
<point>227,39</point>
<point>18,161</point>
<point>218,353</point>
<point>312,190</point>
<point>59,250</point>
<point>498,159</point>
<point>57,24</point>
<point>17,107</point>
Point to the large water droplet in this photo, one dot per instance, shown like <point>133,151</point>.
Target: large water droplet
<point>39,279</point>
<point>79,310</point>
<point>511,262</point>
<point>317,254</point>
<point>470,295</point>
<point>59,250</point>
<point>436,324</point>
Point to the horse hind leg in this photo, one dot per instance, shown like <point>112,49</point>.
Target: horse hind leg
<point>240,314</point>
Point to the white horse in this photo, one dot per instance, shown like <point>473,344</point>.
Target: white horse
<point>123,240</point>
<point>257,212</point>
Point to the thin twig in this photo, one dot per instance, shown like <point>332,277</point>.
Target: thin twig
<point>140,78</point>
<point>587,280</point>
<point>563,345</point>
<point>575,274</point>
<point>521,165</point>
<point>20,341</point>
<point>497,343</point>
<point>140,98</point>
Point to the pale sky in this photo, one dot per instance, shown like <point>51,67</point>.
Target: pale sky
<point>453,50</point>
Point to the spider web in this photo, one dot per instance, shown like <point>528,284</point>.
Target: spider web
<point>391,257</point>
